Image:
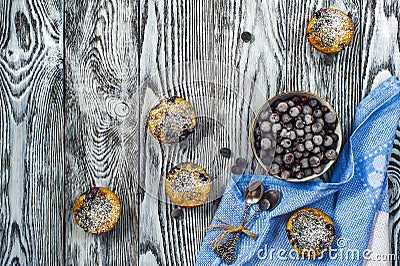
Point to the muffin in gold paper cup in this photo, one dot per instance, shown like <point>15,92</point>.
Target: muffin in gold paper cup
<point>330,30</point>
<point>98,210</point>
<point>172,120</point>
<point>188,185</point>
<point>310,232</point>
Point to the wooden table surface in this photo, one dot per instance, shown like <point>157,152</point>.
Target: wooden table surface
<point>77,79</point>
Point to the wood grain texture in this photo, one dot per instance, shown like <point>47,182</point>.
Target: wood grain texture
<point>31,136</point>
<point>380,61</point>
<point>225,95</point>
<point>102,124</point>
<point>338,83</point>
<point>120,58</point>
<point>394,199</point>
<point>381,42</point>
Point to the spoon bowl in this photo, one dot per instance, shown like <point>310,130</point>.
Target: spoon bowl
<point>268,201</point>
<point>253,192</point>
<point>264,204</point>
<point>273,196</point>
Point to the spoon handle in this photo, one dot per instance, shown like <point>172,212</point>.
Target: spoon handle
<point>252,217</point>
<point>246,211</point>
<point>228,249</point>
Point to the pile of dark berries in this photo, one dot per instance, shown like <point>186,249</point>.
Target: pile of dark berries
<point>297,135</point>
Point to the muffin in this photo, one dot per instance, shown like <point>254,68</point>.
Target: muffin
<point>172,120</point>
<point>188,185</point>
<point>330,30</point>
<point>310,232</point>
<point>98,210</point>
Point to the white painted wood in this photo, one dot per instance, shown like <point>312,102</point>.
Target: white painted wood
<point>338,83</point>
<point>31,135</point>
<point>381,43</point>
<point>381,60</point>
<point>226,98</point>
<point>101,124</point>
<point>394,196</point>
<point>120,57</point>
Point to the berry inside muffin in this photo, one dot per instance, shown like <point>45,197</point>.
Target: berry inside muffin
<point>172,120</point>
<point>188,185</point>
<point>310,232</point>
<point>98,210</point>
<point>330,31</point>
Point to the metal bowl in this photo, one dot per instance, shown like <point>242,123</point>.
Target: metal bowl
<point>284,96</point>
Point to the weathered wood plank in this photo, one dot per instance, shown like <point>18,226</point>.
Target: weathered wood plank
<point>102,123</point>
<point>106,114</point>
<point>31,136</point>
<point>225,99</point>
<point>381,60</point>
<point>338,83</point>
<point>394,199</point>
<point>381,42</point>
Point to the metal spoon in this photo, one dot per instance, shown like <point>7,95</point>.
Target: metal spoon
<point>268,201</point>
<point>252,195</point>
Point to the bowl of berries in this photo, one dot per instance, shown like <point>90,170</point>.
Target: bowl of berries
<point>296,136</point>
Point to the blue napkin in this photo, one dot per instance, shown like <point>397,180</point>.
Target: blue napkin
<point>357,191</point>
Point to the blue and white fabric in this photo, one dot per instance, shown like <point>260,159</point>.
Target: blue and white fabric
<point>356,193</point>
